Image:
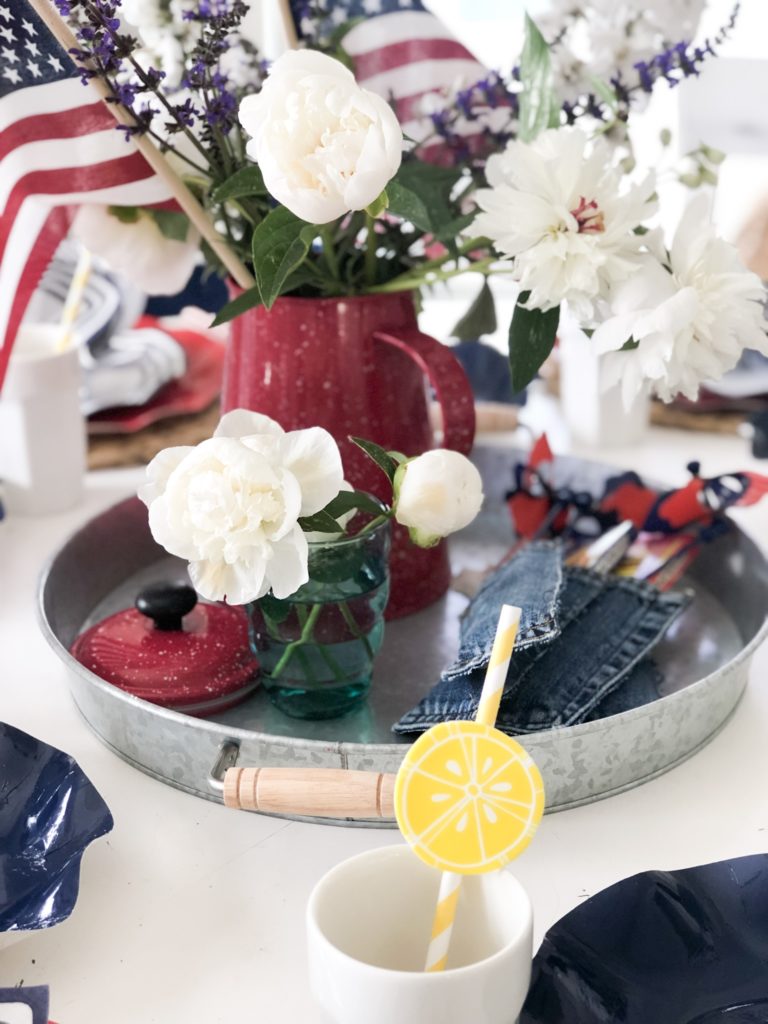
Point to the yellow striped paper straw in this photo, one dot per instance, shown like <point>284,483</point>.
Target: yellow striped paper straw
<point>498,666</point>
<point>488,709</point>
<point>442,926</point>
<point>74,299</point>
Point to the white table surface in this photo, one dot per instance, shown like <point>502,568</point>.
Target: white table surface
<point>193,913</point>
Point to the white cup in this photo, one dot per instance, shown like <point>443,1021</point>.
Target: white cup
<point>368,927</point>
<point>42,430</point>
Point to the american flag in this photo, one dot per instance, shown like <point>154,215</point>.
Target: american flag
<point>58,149</point>
<point>401,51</point>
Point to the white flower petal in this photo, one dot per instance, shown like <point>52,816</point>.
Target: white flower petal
<point>138,249</point>
<point>243,422</point>
<point>288,566</point>
<point>562,210</point>
<point>159,469</point>
<point>693,316</point>
<point>313,457</point>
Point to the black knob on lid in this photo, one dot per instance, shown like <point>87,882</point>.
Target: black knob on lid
<point>166,603</point>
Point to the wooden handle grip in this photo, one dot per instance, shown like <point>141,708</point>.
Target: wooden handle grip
<point>315,792</point>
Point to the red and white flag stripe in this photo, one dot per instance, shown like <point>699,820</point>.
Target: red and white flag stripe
<point>58,149</point>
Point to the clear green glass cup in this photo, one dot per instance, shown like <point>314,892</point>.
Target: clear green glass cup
<point>316,648</point>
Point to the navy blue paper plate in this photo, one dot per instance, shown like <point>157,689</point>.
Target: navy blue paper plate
<point>49,813</point>
<point>662,947</point>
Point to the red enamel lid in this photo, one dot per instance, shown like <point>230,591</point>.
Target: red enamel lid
<point>172,651</point>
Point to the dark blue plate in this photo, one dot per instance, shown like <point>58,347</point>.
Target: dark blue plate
<point>663,947</point>
<point>49,813</point>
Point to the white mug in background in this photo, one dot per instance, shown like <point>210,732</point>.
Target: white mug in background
<point>42,430</point>
<point>369,922</point>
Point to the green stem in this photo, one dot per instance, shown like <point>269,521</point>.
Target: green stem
<point>408,282</point>
<point>328,251</point>
<point>432,269</point>
<point>306,635</point>
<point>331,662</point>
<point>306,665</point>
<point>370,251</point>
<point>370,527</point>
<point>354,629</point>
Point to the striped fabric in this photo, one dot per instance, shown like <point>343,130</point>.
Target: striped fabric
<point>404,53</point>
<point>58,149</point>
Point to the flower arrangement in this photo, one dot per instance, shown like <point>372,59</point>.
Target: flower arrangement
<point>242,506</point>
<point>312,185</point>
<point>265,519</point>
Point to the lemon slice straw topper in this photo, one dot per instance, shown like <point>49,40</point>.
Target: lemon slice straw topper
<point>467,797</point>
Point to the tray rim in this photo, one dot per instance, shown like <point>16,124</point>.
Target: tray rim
<point>342,747</point>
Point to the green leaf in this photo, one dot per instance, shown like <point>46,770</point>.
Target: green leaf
<point>280,243</point>
<point>450,231</point>
<point>715,156</point>
<point>539,108</point>
<point>237,306</point>
<point>381,457</point>
<point>320,522</point>
<point>125,214</point>
<point>421,193</point>
<point>276,611</point>
<point>379,205</point>
<point>405,203</point>
<point>531,338</point>
<point>248,181</point>
<point>480,318</point>
<point>172,224</point>
<point>299,277</point>
<point>345,501</point>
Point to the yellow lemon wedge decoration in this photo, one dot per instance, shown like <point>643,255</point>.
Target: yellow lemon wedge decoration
<point>468,798</point>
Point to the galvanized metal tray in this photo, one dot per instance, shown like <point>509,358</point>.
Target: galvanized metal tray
<point>705,658</point>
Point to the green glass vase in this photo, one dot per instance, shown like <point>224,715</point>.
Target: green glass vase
<point>316,648</point>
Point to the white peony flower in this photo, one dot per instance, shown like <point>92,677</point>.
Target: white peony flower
<point>231,505</point>
<point>600,38</point>
<point>324,145</point>
<point>691,316</point>
<point>138,250</point>
<point>437,493</point>
<point>555,208</point>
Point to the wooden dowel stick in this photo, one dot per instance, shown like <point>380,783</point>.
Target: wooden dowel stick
<point>289,25</point>
<point>197,215</point>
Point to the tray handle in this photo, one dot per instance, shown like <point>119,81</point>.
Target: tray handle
<point>311,792</point>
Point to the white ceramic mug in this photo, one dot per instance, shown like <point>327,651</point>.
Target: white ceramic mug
<point>368,926</point>
<point>42,430</point>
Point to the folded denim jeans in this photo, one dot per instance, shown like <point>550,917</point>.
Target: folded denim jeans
<point>640,686</point>
<point>531,580</point>
<point>607,626</point>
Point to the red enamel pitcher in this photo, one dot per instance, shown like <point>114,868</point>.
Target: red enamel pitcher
<point>358,366</point>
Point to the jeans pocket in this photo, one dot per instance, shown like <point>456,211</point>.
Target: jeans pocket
<point>640,686</point>
<point>591,657</point>
<point>531,580</point>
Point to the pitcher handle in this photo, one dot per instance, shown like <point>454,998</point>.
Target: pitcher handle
<point>447,377</point>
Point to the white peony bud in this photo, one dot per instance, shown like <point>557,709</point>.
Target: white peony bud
<point>325,146</point>
<point>437,493</point>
